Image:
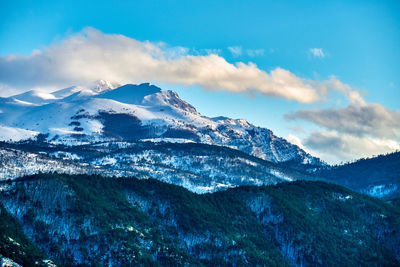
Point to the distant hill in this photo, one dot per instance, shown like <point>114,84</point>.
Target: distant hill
<point>378,176</point>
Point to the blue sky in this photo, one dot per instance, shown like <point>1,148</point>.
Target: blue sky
<point>357,42</point>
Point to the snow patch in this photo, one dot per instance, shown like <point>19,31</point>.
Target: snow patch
<point>65,155</point>
<point>168,140</point>
<point>382,190</point>
<point>281,175</point>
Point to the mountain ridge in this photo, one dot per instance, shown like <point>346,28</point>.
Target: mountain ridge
<point>377,176</point>
<point>158,114</point>
<point>198,167</point>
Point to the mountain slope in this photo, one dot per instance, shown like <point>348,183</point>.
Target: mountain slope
<point>94,220</point>
<point>16,162</point>
<point>378,176</point>
<point>197,167</point>
<point>137,112</point>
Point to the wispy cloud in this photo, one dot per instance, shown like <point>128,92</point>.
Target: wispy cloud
<point>92,55</point>
<point>255,52</point>
<point>359,120</point>
<point>235,50</point>
<point>212,51</point>
<point>238,51</point>
<point>317,52</point>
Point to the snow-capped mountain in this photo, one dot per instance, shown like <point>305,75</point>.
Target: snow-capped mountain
<point>78,115</point>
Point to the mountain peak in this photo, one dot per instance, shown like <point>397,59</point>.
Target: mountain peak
<point>131,93</point>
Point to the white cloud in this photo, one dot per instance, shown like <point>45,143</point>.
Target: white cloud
<point>235,50</point>
<point>317,52</point>
<point>352,95</point>
<point>91,55</point>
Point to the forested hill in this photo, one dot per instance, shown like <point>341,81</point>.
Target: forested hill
<point>92,220</point>
<point>378,176</point>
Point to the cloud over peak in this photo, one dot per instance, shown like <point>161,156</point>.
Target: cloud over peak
<point>92,55</point>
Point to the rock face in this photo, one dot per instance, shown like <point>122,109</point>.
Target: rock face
<point>129,113</point>
<point>119,221</point>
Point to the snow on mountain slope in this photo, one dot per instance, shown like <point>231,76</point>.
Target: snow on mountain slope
<point>15,134</point>
<point>35,97</point>
<point>198,167</point>
<point>16,163</point>
<point>135,112</point>
<point>39,97</point>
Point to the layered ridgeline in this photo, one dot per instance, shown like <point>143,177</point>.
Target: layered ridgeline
<point>142,131</point>
<point>92,220</point>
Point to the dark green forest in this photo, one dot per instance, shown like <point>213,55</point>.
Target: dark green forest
<point>85,220</point>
